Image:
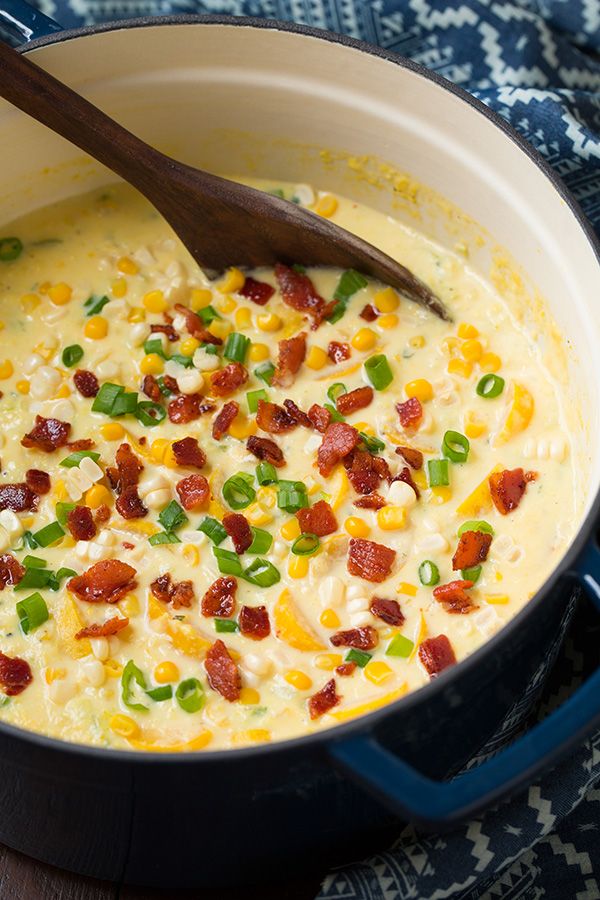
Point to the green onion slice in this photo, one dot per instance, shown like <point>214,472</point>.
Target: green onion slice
<point>186,361</point>
<point>262,573</point>
<point>292,496</point>
<point>360,657</point>
<point>34,562</point>
<point>475,525</point>
<point>372,444</point>
<point>163,537</point>
<point>336,390</point>
<point>350,282</point>
<point>158,694</point>
<point>49,534</point>
<point>261,541</point>
<point>10,249</point>
<point>190,695</point>
<point>378,371</point>
<point>265,372</point>
<point>438,472</point>
<point>490,386</point>
<point>71,355</point>
<point>62,511</point>
<point>228,562</point>
<point>32,612</point>
<point>154,345</point>
<point>29,540</point>
<point>35,578</point>
<point>213,529</point>
<point>172,516</point>
<point>238,492</point>
<point>149,413</point>
<point>472,574</point>
<point>105,398</point>
<point>306,544</point>
<point>226,626</point>
<point>399,646</point>
<point>252,398</point>
<point>69,462</point>
<point>335,415</point>
<point>130,677</point>
<point>94,305</point>
<point>429,574</point>
<point>208,314</point>
<point>236,347</point>
<point>266,473</point>
<point>456,446</point>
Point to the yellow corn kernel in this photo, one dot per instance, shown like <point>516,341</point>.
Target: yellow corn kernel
<point>391,518</point>
<point>152,364</point>
<point>233,281</point>
<point>112,431</point>
<point>191,554</point>
<point>388,321</point>
<point>266,497</point>
<point>6,369</point>
<point>43,288</point>
<point>466,331</point>
<point>460,367</point>
<point>241,427</point>
<point>474,427</point>
<point>326,206</point>
<point>189,346</point>
<point>420,388</point>
<point>158,448</point>
<point>420,479</point>
<point>243,318</point>
<point>290,530</point>
<point>113,668</point>
<point>200,299</point>
<point>96,328</point>
<point>127,266</point>
<point>364,339</point>
<point>417,342</point>
<point>498,576</point>
<point>451,346</point>
<point>253,735</point>
<point>220,328</point>
<point>409,589</point>
<point>269,322</point>
<point>316,358</point>
<point>165,672</point>
<point>328,661</point>
<point>490,362</point>
<point>23,386</point>
<point>60,293</point>
<point>169,459</point>
<point>29,302</point>
<point>249,696</point>
<point>51,674</point>
<point>63,391</point>
<point>124,726</point>
<point>137,314</point>
<point>497,599</point>
<point>257,516</point>
<point>298,567</point>
<point>155,302</point>
<point>386,301</point>
<point>130,605</point>
<point>366,427</point>
<point>329,619</point>
<point>377,671</point>
<point>357,527</point>
<point>119,288</point>
<point>97,495</point>
<point>258,352</point>
<point>441,494</point>
<point>59,493</point>
<point>298,680</point>
<point>226,305</point>
<point>471,350</point>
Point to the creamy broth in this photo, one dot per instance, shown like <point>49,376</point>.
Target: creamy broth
<point>111,246</point>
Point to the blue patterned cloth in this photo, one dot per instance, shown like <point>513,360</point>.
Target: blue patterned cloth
<point>537,63</point>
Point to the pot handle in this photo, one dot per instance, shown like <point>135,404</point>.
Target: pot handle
<point>24,22</point>
<point>419,799</point>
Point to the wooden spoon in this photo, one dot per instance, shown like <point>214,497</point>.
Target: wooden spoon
<point>221,223</point>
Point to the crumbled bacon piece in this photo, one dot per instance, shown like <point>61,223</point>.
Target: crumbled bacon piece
<point>187,452</point>
<point>193,491</point>
<point>124,478</point>
<point>323,700</point>
<point>130,505</point>
<point>364,638</point>
<point>453,596</point>
<point>338,352</point>
<point>80,523</point>
<point>47,435</point>
<point>265,449</point>
<point>11,570</point>
<point>229,379</point>
<point>294,411</point>
<point>19,497</point>
<point>196,326</point>
<point>106,581</point>
<point>170,332</point>
<point>86,383</point>
<point>338,441</point>
<point>171,384</point>
<point>320,418</point>
<point>507,489</point>
<point>237,527</point>
<point>405,476</point>
<point>368,313</point>
<point>272,418</point>
<point>161,588</point>
<point>38,481</point>
<point>150,388</point>
<point>254,622</point>
<point>345,669</point>
<point>219,600</point>
<point>370,560</point>
<point>177,593</point>
<point>81,444</point>
<point>185,408</point>
<point>387,610</point>
<point>473,547</point>
<point>15,675</point>
<point>105,629</point>
<point>318,519</point>
<point>223,674</point>
<point>351,402</point>
<point>436,654</point>
<point>102,514</point>
<point>365,471</point>
<point>258,291</point>
<point>224,419</point>
<point>371,501</point>
<point>410,412</point>
<point>413,457</point>
<point>291,356</point>
<point>299,292</point>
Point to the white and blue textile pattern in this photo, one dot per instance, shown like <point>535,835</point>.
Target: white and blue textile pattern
<point>537,63</point>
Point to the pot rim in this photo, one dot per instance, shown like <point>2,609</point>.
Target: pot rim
<point>369,721</point>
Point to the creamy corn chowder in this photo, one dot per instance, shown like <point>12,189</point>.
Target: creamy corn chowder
<point>243,510</point>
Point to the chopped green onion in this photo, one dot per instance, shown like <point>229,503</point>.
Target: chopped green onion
<point>125,404</point>
<point>261,541</point>
<point>429,574</point>
<point>456,446</point>
<point>475,525</point>
<point>131,676</point>
<point>226,626</point>
<point>490,386</point>
<point>261,573</point>
<point>252,398</point>
<point>238,492</point>
<point>34,562</point>
<point>358,656</point>
<point>236,347</point>
<point>213,529</point>
<point>301,270</point>
<point>172,516</point>
<point>265,372</point>
<point>49,534</point>
<point>63,573</point>
<point>208,314</point>
<point>35,578</point>
<point>190,695</point>
<point>335,415</point>
<point>306,544</point>
<point>163,537</point>
<point>62,511</point>
<point>336,390</point>
<point>10,248</point>
<point>29,540</point>
<point>158,694</point>
<point>378,371</point>
<point>349,283</point>
<point>74,459</point>
<point>471,574</point>
<point>228,562</point>
<point>399,646</point>
<point>372,444</point>
<point>149,413</point>
<point>162,387</point>
<point>105,398</point>
<point>438,472</point>
<point>186,361</point>
<point>266,473</point>
<point>292,496</point>
<point>154,345</point>
<point>94,305</point>
<point>211,348</point>
<point>71,355</point>
<point>32,612</point>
